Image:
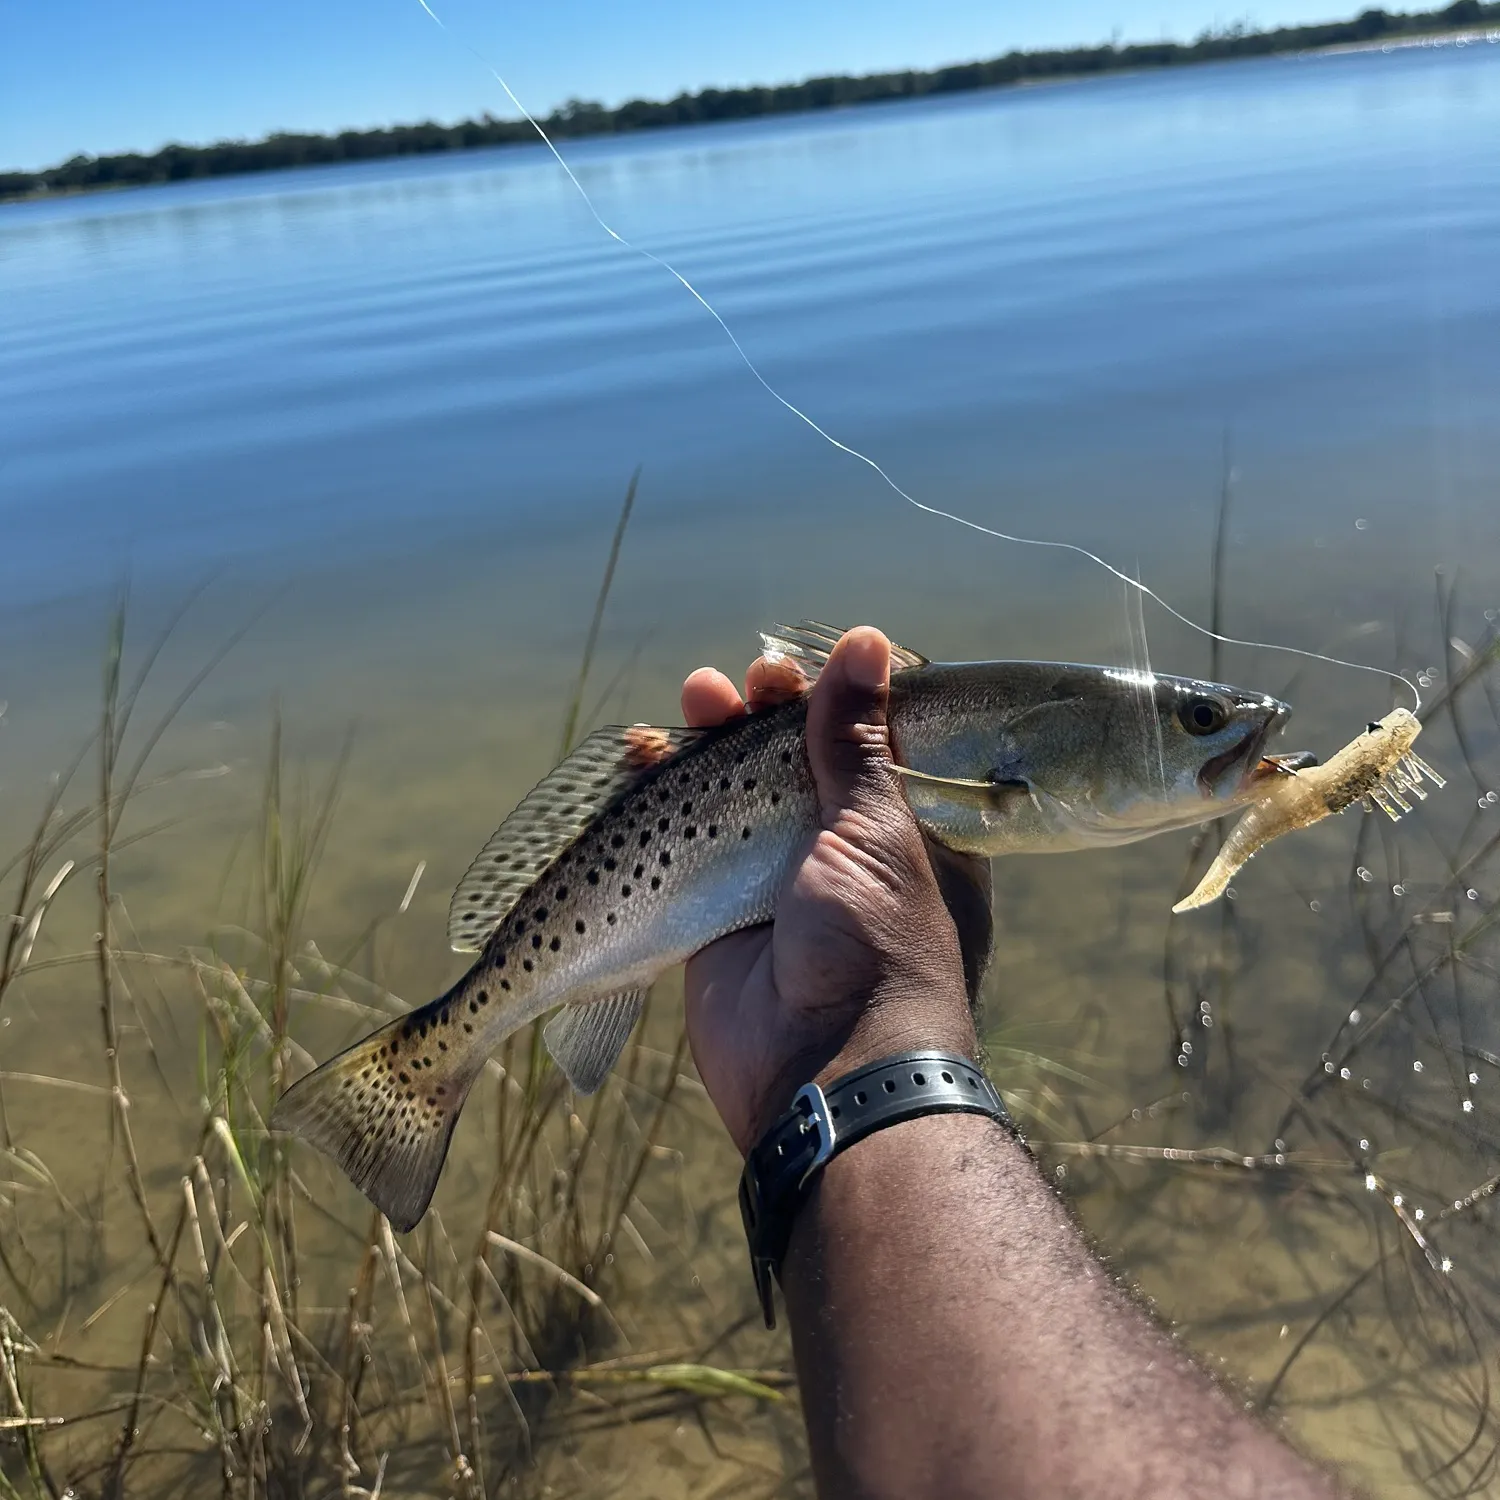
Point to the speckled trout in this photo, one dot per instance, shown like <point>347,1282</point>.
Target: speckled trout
<point>645,844</point>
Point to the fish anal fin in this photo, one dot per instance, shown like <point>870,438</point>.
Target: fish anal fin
<point>385,1111</point>
<point>586,1040</point>
<point>811,642</point>
<point>549,818</point>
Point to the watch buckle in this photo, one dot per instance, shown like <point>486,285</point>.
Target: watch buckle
<point>811,1102</point>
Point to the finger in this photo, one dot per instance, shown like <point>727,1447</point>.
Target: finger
<point>709,698</point>
<point>967,892</point>
<point>770,683</point>
<point>847,739</point>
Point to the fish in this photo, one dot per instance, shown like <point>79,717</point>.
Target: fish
<point>1378,768</point>
<point>647,843</point>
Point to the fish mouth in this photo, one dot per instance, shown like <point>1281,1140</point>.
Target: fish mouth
<point>1254,769</point>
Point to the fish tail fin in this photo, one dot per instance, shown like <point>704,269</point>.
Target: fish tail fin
<point>385,1110</point>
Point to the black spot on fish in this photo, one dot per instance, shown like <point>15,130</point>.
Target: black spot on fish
<point>579,926</point>
<point>664,823</point>
<point>639,871</point>
<point>527,964</point>
<point>786,757</point>
<point>593,877</point>
<point>555,944</point>
<point>562,893</point>
<point>665,857</point>
<point>656,882</point>
<point>713,830</point>
<point>723,783</point>
<point>749,783</point>
<point>691,831</point>
<point>610,919</point>
<point>744,833</point>
<point>442,1046</point>
<point>536,940</point>
<point>505,984</point>
<point>405,1078</point>
<point>618,841</point>
<point>625,890</point>
<point>500,961</point>
<point>775,798</point>
<point>610,864</point>
<point>645,838</point>
<point>687,808</point>
<point>541,914</point>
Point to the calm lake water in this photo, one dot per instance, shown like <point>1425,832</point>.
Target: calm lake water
<point>387,413</point>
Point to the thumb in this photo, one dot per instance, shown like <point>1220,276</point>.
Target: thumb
<point>848,739</point>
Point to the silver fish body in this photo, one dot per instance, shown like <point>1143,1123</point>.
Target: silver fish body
<point>647,844</point>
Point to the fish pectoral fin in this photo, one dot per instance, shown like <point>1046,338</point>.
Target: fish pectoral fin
<point>810,644</point>
<point>586,1039</point>
<point>986,793</point>
<point>549,818</point>
<point>385,1111</point>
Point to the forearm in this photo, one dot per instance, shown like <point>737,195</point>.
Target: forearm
<point>951,1326</point>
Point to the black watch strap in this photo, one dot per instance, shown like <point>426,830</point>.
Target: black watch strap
<point>821,1123</point>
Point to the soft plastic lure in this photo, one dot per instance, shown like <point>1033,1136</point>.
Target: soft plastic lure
<point>1378,768</point>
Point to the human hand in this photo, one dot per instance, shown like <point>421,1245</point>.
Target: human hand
<point>880,937</point>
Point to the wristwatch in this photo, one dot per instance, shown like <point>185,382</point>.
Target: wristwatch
<point>780,1171</point>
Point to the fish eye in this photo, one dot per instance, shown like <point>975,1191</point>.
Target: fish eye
<point>1203,715</point>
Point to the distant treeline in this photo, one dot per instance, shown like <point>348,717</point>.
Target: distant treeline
<point>581,118</point>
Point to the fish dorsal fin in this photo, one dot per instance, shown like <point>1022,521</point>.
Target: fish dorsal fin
<point>809,644</point>
<point>549,818</point>
<point>586,1040</point>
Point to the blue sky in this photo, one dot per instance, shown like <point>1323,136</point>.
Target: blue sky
<point>113,75</point>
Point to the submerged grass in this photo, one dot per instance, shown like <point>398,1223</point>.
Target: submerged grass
<point>1349,1201</point>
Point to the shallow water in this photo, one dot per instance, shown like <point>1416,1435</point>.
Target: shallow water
<point>388,412</point>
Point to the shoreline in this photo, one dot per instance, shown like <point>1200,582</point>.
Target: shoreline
<point>288,151</point>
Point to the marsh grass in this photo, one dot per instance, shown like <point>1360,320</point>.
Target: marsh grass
<point>470,1363</point>
<point>207,1314</point>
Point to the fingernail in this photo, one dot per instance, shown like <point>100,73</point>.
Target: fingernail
<point>867,661</point>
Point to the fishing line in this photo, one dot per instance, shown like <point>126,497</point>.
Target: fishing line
<point>1142,589</point>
